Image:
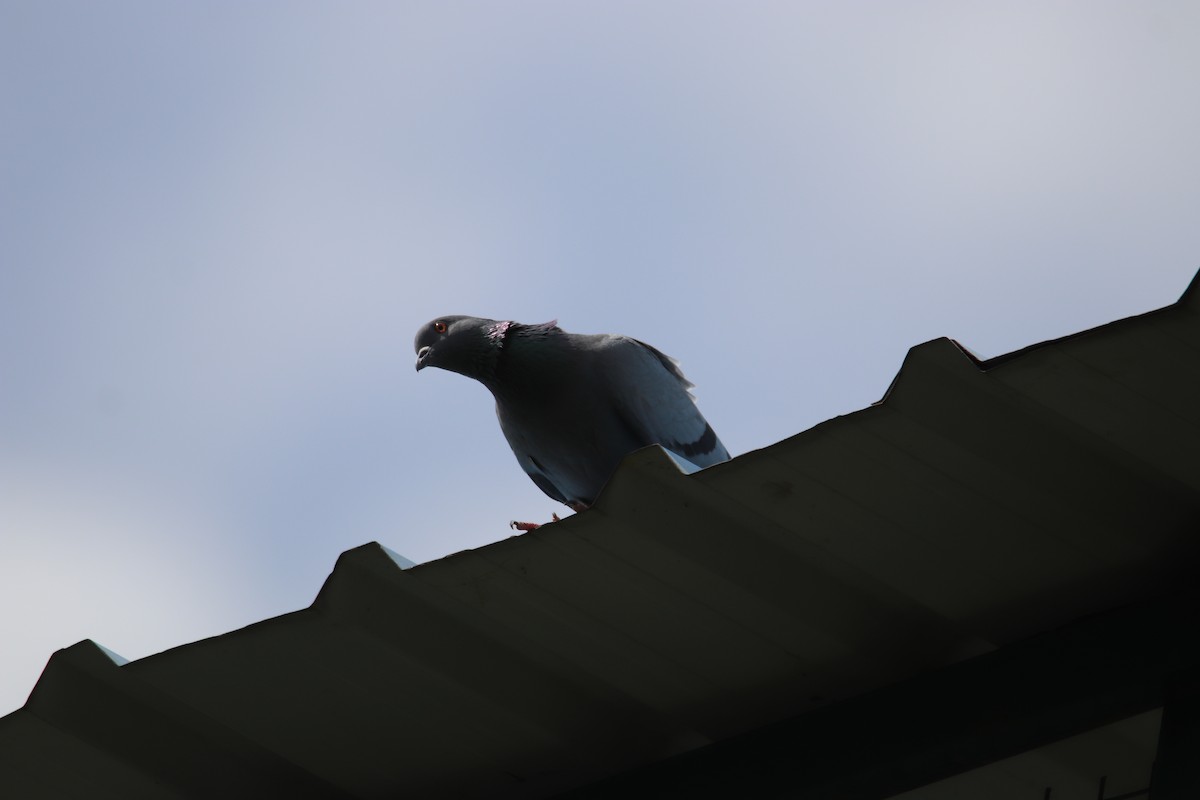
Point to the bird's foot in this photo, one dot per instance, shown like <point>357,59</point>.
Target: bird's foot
<point>531,526</point>
<point>575,506</point>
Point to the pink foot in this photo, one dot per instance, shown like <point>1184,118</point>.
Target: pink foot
<point>531,526</point>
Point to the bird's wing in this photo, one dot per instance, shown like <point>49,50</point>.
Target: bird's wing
<point>652,399</point>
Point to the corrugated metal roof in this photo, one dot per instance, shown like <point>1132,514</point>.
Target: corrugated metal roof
<point>978,504</point>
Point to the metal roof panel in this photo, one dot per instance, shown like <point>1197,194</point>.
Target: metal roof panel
<point>978,504</point>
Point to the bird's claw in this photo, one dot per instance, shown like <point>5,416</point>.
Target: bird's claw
<point>531,526</point>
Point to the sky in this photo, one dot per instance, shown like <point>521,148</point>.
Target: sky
<point>221,225</point>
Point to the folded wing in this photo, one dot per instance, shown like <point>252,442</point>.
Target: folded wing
<point>652,398</point>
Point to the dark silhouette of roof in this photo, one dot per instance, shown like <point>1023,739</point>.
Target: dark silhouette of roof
<point>992,558</point>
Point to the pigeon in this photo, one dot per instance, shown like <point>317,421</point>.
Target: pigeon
<point>572,405</point>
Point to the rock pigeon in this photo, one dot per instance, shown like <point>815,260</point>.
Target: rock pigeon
<point>572,405</point>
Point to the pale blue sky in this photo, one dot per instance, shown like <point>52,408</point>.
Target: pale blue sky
<point>222,223</point>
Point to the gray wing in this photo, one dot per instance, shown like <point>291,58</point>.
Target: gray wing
<point>652,399</point>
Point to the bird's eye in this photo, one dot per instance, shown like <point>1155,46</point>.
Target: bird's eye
<point>439,326</point>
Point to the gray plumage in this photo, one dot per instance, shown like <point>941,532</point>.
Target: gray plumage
<point>573,405</point>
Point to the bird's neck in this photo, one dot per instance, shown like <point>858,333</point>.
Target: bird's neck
<point>530,364</point>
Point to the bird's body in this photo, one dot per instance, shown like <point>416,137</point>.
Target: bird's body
<point>573,405</point>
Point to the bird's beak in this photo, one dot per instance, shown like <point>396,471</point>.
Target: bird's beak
<point>421,354</point>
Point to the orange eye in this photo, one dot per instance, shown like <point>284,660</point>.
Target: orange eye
<point>439,326</point>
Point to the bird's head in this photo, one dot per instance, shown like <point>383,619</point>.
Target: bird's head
<point>466,345</point>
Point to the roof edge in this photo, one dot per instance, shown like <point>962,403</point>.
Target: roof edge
<point>1188,302</point>
<point>1190,299</point>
